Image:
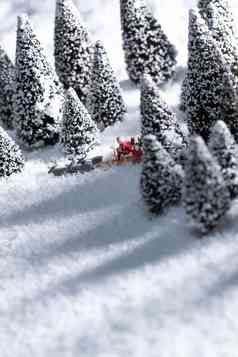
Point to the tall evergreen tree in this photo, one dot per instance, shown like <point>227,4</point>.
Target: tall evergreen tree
<point>11,158</point>
<point>7,73</point>
<point>220,20</point>
<point>161,178</point>
<point>73,51</point>
<point>38,97</point>
<point>79,132</point>
<point>206,198</point>
<point>106,103</point>
<point>209,91</point>
<point>147,48</point>
<point>183,93</point>
<point>158,119</point>
<point>225,150</point>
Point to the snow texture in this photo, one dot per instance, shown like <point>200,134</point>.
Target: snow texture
<point>146,46</point>
<point>79,132</point>
<point>38,96</point>
<point>206,198</point>
<point>106,103</point>
<point>225,150</point>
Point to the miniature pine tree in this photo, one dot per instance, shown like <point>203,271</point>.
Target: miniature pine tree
<point>79,131</point>
<point>220,20</point>
<point>159,120</point>
<point>161,178</point>
<point>206,198</point>
<point>73,52</point>
<point>7,73</point>
<point>209,91</point>
<point>146,47</point>
<point>224,148</point>
<point>182,104</point>
<point>106,103</point>
<point>225,15</point>
<point>11,159</point>
<point>38,97</point>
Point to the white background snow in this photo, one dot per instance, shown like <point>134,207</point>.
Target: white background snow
<point>84,271</point>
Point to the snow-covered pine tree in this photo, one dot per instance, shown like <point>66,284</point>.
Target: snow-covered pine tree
<point>38,97</point>
<point>220,20</point>
<point>158,119</point>
<point>106,102</point>
<point>146,47</point>
<point>224,148</point>
<point>209,91</point>
<point>79,132</point>
<point>161,178</point>
<point>183,101</point>
<point>11,158</point>
<point>7,73</point>
<point>225,15</point>
<point>73,51</point>
<point>206,198</point>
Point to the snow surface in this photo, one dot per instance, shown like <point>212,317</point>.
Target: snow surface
<point>85,271</point>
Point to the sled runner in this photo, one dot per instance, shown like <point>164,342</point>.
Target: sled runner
<point>82,167</point>
<point>127,151</point>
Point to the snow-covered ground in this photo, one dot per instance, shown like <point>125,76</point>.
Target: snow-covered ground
<point>84,271</point>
